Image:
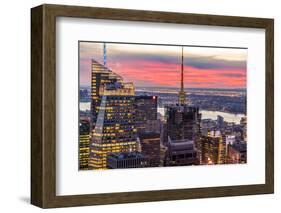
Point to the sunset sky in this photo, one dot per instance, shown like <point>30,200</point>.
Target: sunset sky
<point>160,65</point>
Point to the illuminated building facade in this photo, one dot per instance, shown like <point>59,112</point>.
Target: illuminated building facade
<point>150,147</point>
<point>100,75</point>
<point>125,131</point>
<point>237,153</point>
<point>113,122</point>
<point>127,160</point>
<point>213,148</point>
<point>84,142</point>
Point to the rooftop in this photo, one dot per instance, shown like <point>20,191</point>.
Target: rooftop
<point>147,97</point>
<point>121,156</point>
<point>241,146</point>
<point>183,144</point>
<point>148,135</point>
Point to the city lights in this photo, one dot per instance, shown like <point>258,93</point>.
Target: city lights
<point>128,126</point>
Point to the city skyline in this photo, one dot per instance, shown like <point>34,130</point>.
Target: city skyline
<point>205,67</point>
<point>124,127</point>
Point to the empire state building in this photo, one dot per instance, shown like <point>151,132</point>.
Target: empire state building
<point>183,120</point>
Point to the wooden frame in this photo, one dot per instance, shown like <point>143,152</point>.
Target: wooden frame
<point>43,105</point>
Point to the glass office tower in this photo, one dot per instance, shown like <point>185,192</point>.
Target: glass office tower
<point>113,116</point>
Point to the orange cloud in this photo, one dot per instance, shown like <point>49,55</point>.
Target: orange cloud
<point>154,73</point>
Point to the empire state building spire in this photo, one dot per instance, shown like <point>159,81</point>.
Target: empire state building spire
<point>181,92</point>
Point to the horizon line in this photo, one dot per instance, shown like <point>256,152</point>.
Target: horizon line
<point>232,88</point>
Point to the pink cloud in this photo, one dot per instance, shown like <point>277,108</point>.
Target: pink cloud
<point>157,73</point>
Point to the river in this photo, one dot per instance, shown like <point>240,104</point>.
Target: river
<point>228,117</point>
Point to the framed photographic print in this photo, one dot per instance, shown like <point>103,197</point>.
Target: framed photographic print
<point>136,106</point>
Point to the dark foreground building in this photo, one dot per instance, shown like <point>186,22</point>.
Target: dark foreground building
<point>183,122</point>
<point>150,147</point>
<point>127,160</point>
<point>146,114</point>
<point>181,153</point>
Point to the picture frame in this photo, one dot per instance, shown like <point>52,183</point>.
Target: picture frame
<point>43,105</point>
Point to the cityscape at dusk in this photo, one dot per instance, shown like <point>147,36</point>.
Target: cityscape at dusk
<point>144,105</point>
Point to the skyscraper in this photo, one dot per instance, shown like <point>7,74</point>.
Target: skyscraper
<point>182,129</point>
<point>113,122</point>
<point>183,121</point>
<point>100,75</point>
<point>213,148</point>
<point>84,142</point>
<point>146,114</point>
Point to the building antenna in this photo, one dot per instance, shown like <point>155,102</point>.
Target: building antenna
<point>181,92</point>
<point>104,54</point>
<point>182,86</point>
